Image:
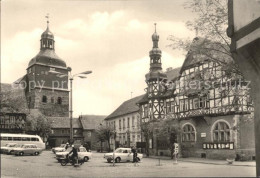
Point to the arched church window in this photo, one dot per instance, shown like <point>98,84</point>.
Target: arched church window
<point>44,99</point>
<point>59,101</point>
<point>188,133</point>
<point>221,132</point>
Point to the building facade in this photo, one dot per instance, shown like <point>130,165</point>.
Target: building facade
<point>126,123</point>
<point>84,129</point>
<point>13,109</point>
<point>47,80</point>
<point>90,124</point>
<point>211,105</point>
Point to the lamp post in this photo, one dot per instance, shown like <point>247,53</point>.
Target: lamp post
<point>81,75</point>
<point>71,77</point>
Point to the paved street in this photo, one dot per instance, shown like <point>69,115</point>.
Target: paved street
<point>46,166</point>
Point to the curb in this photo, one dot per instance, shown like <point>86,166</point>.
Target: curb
<point>202,162</point>
<point>217,163</point>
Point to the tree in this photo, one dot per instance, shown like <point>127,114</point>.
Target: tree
<point>12,100</point>
<point>38,123</point>
<point>147,129</point>
<point>169,129</point>
<point>104,133</point>
<point>211,23</point>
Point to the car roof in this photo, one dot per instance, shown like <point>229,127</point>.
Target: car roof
<point>29,144</point>
<point>124,148</point>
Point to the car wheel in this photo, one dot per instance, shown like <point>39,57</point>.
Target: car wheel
<point>21,153</point>
<point>63,162</point>
<point>36,153</point>
<point>109,160</point>
<point>118,160</point>
<point>86,159</point>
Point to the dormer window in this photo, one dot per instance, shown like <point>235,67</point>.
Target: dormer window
<point>29,70</point>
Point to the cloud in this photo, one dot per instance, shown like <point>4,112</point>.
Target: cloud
<point>115,45</point>
<point>111,87</point>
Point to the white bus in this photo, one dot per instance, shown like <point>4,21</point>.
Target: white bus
<point>21,139</point>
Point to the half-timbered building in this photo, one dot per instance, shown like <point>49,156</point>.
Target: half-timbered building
<point>209,99</point>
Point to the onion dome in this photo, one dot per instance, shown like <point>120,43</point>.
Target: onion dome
<point>155,36</point>
<point>47,55</point>
<point>47,34</point>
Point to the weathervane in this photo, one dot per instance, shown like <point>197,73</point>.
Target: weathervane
<point>47,17</point>
<point>155,26</point>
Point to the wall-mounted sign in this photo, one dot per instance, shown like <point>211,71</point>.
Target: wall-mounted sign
<point>203,135</point>
<point>227,145</point>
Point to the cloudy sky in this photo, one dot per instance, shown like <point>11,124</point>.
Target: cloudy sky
<point>112,38</point>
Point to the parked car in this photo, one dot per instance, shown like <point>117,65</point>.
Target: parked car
<point>27,149</point>
<point>60,148</point>
<point>6,146</point>
<point>82,154</point>
<point>122,154</point>
<point>10,150</point>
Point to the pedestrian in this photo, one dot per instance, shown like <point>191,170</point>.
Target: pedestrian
<point>67,146</point>
<point>74,155</point>
<point>134,151</point>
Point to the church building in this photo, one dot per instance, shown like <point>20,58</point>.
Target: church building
<point>47,80</point>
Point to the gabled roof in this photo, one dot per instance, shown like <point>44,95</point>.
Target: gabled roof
<point>144,99</point>
<point>173,74</point>
<point>64,122</point>
<point>205,46</point>
<point>91,122</point>
<point>126,107</point>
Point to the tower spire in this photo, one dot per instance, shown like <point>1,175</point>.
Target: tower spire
<point>155,53</point>
<point>47,38</point>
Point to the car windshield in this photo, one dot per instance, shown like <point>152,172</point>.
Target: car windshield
<point>119,150</point>
<point>82,149</point>
<point>18,146</point>
<point>62,145</point>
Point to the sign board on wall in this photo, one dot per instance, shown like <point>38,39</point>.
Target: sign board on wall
<point>228,145</point>
<point>203,135</point>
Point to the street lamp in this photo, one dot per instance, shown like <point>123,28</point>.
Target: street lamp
<point>71,77</point>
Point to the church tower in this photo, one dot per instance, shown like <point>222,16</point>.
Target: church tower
<point>47,79</point>
<point>153,80</point>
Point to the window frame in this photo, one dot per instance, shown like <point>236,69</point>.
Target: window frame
<point>222,130</point>
<point>188,135</point>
